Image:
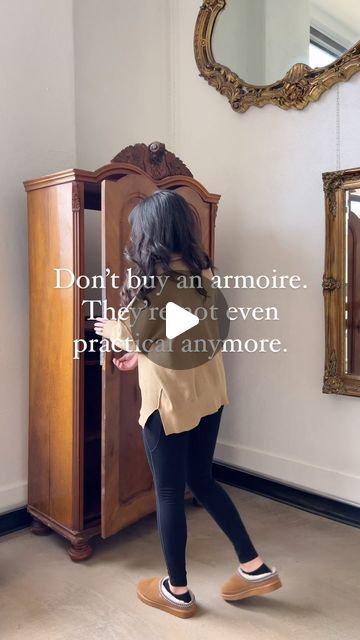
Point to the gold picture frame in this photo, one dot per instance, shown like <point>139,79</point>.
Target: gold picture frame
<point>335,184</point>
<point>300,86</point>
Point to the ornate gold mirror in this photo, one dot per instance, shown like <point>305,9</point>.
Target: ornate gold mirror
<point>281,52</point>
<point>341,282</point>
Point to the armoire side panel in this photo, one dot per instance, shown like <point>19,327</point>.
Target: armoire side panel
<point>55,231</point>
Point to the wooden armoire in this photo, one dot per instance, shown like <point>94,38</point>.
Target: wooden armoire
<point>88,472</point>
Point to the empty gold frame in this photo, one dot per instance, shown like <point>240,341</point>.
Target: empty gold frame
<point>301,84</point>
<point>341,282</point>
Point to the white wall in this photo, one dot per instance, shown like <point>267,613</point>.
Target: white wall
<point>122,76</point>
<point>267,164</point>
<point>136,80</point>
<point>123,95</point>
<point>37,137</point>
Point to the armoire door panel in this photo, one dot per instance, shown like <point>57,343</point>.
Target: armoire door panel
<point>202,210</point>
<point>127,487</point>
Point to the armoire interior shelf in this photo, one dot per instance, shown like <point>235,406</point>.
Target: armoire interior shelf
<point>88,472</point>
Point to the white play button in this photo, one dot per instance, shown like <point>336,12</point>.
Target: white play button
<point>178,320</point>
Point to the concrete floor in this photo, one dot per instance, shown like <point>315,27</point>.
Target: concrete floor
<point>45,596</point>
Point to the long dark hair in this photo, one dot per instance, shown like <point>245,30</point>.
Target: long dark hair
<point>162,225</point>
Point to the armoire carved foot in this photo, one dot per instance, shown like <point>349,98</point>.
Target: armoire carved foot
<point>79,551</point>
<point>39,528</point>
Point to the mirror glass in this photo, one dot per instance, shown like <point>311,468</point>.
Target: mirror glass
<point>260,40</point>
<point>352,283</point>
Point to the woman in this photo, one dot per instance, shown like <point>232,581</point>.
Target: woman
<point>180,413</point>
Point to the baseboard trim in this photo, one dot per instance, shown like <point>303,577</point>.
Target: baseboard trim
<point>299,498</point>
<point>278,491</point>
<point>14,520</point>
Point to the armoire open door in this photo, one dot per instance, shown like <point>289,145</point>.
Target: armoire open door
<point>127,489</point>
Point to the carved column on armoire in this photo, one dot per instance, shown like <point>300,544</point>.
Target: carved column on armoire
<point>88,472</point>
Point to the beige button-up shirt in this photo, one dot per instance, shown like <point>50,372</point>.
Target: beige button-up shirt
<point>182,396</point>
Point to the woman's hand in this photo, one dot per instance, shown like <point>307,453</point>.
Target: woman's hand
<point>99,325</point>
<point>127,362</point>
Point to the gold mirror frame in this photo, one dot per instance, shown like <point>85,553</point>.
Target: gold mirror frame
<point>301,84</point>
<point>336,380</point>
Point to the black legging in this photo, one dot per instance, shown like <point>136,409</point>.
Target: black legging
<point>186,458</point>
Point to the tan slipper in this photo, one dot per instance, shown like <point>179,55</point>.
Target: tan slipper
<point>151,591</point>
<point>241,585</point>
